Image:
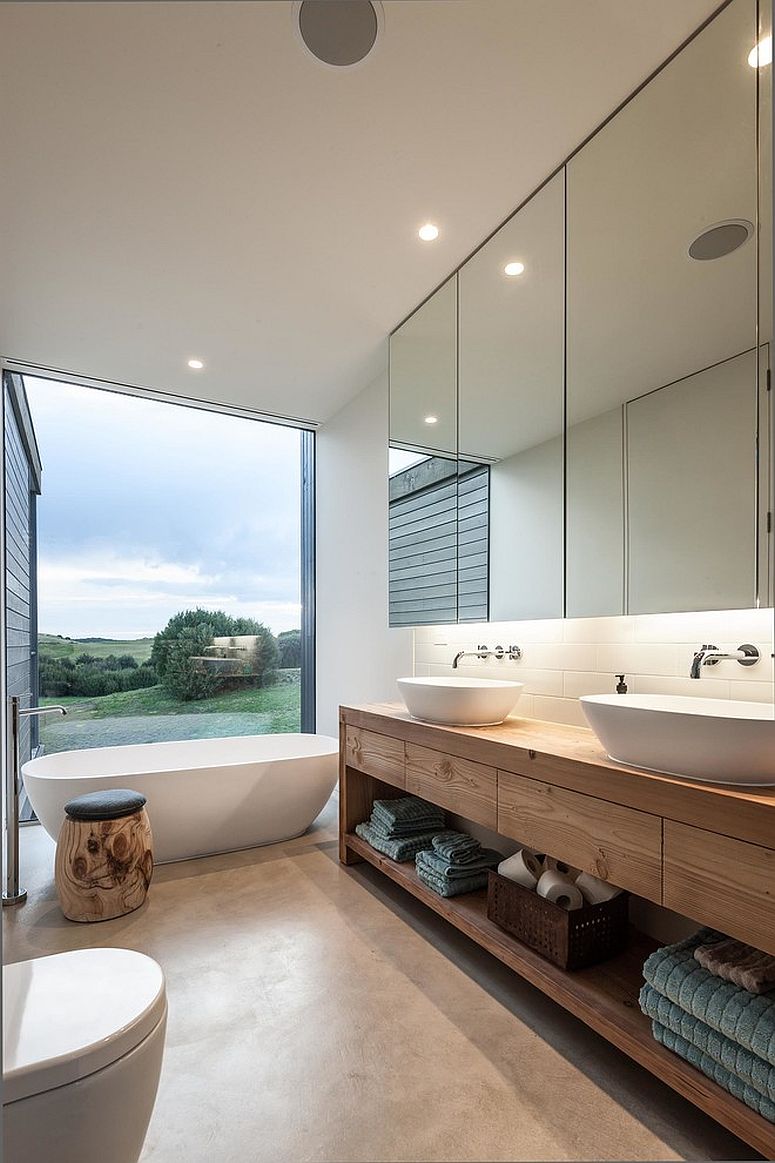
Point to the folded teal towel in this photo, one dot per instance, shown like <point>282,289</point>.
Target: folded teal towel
<point>714,1070</point>
<point>402,831</point>
<point>457,846</point>
<point>449,888</point>
<point>402,849</point>
<point>406,810</point>
<point>438,866</point>
<point>746,1018</point>
<point>748,1067</point>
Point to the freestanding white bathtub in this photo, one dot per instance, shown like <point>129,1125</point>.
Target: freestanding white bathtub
<point>204,795</point>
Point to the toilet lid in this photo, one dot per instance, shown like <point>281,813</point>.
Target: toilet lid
<point>66,1016</point>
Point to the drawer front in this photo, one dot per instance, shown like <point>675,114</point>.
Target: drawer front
<point>469,789</point>
<point>377,755</point>
<point>621,845</point>
<point>727,883</point>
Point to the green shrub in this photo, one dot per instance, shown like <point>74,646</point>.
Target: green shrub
<point>182,678</point>
<point>289,647</point>
<point>187,636</point>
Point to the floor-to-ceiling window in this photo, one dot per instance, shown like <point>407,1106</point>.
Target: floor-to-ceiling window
<point>175,570</point>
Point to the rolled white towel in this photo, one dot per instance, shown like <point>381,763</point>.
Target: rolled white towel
<point>596,891</point>
<point>522,868</point>
<point>560,890</point>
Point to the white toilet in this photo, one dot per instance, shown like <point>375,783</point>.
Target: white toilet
<point>83,1039</point>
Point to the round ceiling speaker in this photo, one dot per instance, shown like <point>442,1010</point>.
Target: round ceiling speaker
<point>721,239</point>
<point>338,32</point>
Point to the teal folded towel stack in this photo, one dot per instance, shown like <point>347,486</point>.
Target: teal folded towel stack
<point>402,827</point>
<point>722,1029</point>
<point>455,863</point>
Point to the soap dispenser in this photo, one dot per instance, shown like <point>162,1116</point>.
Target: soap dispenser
<point>621,686</point>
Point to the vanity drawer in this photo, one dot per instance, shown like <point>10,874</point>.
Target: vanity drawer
<point>727,883</point>
<point>459,785</point>
<point>618,844</point>
<point>379,755</point>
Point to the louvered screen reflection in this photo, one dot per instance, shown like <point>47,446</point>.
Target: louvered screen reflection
<point>438,529</point>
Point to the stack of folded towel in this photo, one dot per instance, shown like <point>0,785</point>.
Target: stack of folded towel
<point>726,1031</point>
<point>455,863</point>
<point>402,827</point>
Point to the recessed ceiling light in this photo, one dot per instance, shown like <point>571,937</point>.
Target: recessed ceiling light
<point>761,54</point>
<point>196,364</point>
<point>431,419</point>
<point>512,269</point>
<point>428,232</point>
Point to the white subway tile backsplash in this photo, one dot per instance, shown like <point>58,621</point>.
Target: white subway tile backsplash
<point>578,683</point>
<point>699,627</point>
<point>560,656</point>
<point>658,684</point>
<point>537,682</point>
<point>563,660</point>
<point>639,658</point>
<point>599,630</point>
<point>754,692</point>
<point>559,711</point>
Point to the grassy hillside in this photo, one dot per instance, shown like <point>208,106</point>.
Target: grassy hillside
<point>153,716</point>
<point>56,647</point>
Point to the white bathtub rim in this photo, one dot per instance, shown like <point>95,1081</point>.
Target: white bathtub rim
<point>34,765</point>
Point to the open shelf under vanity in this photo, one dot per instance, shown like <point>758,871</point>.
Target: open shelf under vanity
<point>375,763</point>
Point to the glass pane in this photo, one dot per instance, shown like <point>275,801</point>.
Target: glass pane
<point>662,298</point>
<point>169,570</point>
<point>511,410</point>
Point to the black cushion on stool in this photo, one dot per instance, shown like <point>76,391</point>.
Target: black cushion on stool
<point>112,804</point>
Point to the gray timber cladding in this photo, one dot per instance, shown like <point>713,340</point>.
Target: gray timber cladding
<point>22,484</point>
<point>438,543</point>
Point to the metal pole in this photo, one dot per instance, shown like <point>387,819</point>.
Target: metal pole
<point>12,894</point>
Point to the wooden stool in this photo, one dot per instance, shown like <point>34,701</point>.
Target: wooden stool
<point>104,859</point>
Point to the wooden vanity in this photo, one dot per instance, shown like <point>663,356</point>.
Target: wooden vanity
<point>704,850</point>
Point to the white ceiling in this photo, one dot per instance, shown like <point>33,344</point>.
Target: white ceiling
<point>183,179</point>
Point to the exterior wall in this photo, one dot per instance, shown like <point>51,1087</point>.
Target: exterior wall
<point>22,483</point>
<point>439,543</point>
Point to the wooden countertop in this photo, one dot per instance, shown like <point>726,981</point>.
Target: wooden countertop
<point>572,757</point>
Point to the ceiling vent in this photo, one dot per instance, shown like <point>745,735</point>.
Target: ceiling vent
<point>339,32</point>
<point>721,239</point>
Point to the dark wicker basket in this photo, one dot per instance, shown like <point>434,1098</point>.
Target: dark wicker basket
<point>571,938</point>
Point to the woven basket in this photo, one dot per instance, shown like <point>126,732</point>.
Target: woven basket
<point>571,938</point>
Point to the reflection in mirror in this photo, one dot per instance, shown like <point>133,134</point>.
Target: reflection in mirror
<point>662,379</point>
<point>423,376</point>
<point>422,521</point>
<point>766,481</point>
<point>423,471</point>
<point>511,408</point>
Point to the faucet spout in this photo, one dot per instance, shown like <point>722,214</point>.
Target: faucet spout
<point>33,712</point>
<point>746,655</point>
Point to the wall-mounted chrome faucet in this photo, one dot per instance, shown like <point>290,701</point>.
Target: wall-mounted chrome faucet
<point>513,652</point>
<point>746,655</point>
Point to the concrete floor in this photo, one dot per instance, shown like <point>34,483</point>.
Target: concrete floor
<point>318,1013</point>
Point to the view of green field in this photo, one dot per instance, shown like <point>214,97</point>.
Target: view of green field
<point>152,714</point>
<point>56,646</point>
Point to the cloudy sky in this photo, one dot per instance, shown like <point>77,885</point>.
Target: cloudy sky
<point>149,508</point>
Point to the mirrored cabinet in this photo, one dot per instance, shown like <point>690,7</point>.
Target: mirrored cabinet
<point>580,417</point>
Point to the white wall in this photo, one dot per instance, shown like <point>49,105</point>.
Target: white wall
<point>358,656</point>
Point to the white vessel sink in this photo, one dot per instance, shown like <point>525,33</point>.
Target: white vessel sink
<point>460,702</point>
<point>718,740</point>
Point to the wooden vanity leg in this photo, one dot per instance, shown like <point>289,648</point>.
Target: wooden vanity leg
<point>357,793</point>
